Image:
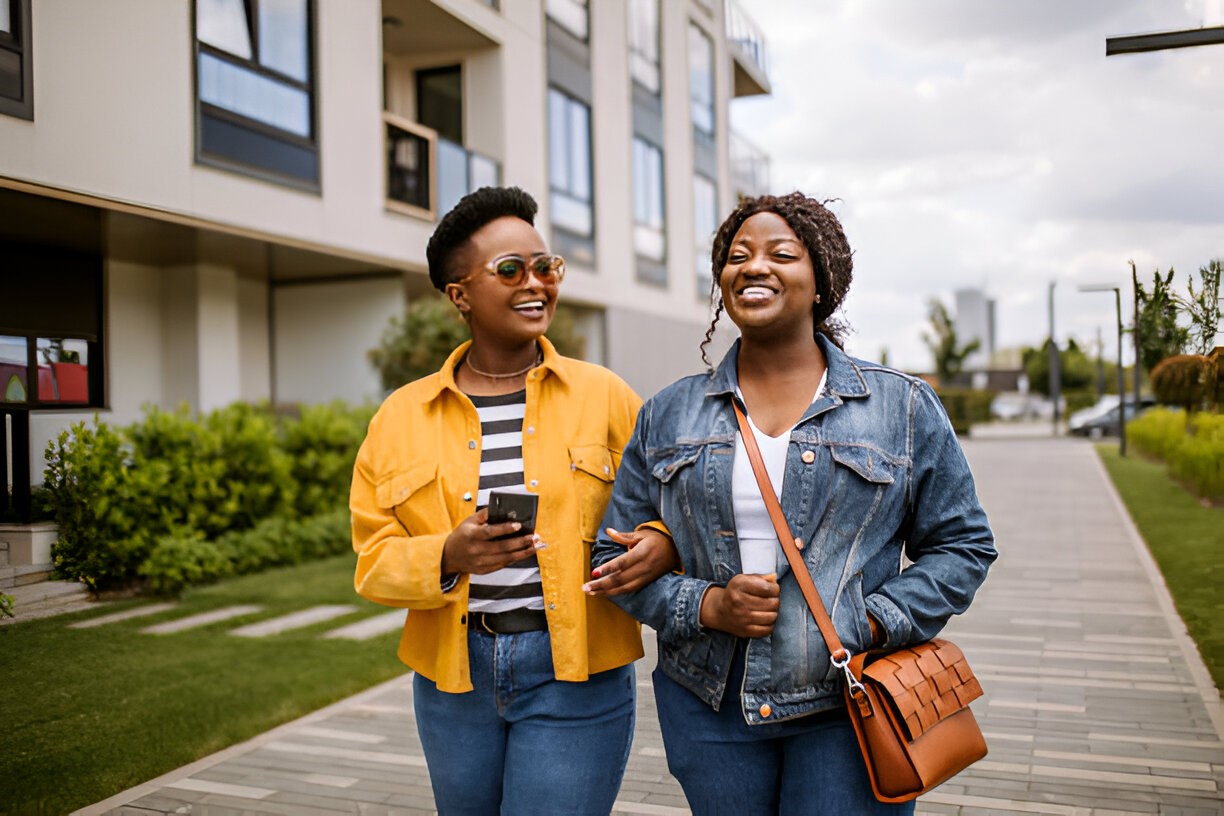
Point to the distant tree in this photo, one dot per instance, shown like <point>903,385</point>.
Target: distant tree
<point>1160,336</point>
<point>1075,368</point>
<point>1188,380</point>
<point>1203,308</point>
<point>419,341</point>
<point>949,355</point>
<point>884,355</point>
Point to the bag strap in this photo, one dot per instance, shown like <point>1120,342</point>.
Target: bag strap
<point>806,585</point>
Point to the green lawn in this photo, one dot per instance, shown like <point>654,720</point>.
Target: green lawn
<point>87,713</point>
<point>1187,540</point>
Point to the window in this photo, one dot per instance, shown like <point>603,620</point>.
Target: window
<point>569,164</point>
<point>572,15</point>
<point>705,223</point>
<point>255,88</point>
<point>649,237</point>
<point>644,43</point>
<point>701,81</point>
<point>16,64</point>
<point>60,373</point>
<point>439,94</point>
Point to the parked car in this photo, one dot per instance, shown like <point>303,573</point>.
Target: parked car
<point>1102,419</point>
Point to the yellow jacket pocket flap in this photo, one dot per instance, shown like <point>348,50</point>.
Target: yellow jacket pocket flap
<point>593,459</point>
<point>396,488</point>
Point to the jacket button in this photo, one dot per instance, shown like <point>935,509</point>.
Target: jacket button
<point>552,606</point>
<point>467,496</point>
<point>808,457</point>
<point>766,710</point>
<point>535,482</point>
<point>471,444</point>
<point>530,429</point>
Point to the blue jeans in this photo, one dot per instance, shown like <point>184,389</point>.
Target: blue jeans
<point>523,742</point>
<point>811,765</point>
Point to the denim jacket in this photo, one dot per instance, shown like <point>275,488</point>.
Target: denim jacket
<point>873,472</point>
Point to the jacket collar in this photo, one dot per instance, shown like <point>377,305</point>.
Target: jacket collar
<point>444,380</point>
<point>845,379</point>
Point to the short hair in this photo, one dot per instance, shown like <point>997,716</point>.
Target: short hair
<point>822,235</point>
<point>472,212</point>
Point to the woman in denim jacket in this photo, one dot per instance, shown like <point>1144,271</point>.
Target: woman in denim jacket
<point>868,470</point>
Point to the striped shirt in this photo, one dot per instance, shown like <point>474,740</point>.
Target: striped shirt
<point>516,586</point>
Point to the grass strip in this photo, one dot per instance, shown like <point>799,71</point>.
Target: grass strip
<point>88,713</point>
<point>1186,538</point>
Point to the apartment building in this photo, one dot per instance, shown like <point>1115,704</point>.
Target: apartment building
<point>204,201</point>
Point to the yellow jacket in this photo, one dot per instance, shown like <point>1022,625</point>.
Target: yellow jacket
<point>416,478</point>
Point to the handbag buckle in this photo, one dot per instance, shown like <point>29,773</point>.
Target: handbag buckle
<point>852,682</point>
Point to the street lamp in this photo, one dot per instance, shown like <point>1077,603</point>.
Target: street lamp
<point>1121,376</point>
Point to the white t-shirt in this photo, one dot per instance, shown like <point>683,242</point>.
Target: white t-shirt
<point>758,541</point>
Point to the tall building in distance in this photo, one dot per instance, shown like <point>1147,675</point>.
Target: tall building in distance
<point>231,203</point>
<point>975,320</point>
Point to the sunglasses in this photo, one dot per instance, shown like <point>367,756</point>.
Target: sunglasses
<point>512,269</point>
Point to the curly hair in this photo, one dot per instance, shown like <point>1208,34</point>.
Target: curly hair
<point>472,212</point>
<point>821,233</point>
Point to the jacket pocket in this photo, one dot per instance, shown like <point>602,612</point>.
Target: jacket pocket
<point>594,473</point>
<point>673,462</point>
<point>867,462</point>
<point>414,496</point>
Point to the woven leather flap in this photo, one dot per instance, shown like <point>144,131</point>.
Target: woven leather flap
<point>926,683</point>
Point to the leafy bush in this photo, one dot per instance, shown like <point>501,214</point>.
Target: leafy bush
<point>180,561</point>
<point>185,559</point>
<point>115,492</point>
<point>1188,380</point>
<point>1158,432</point>
<point>1193,450</point>
<point>322,445</point>
<point>966,406</point>
<point>108,511</point>
<point>6,605</point>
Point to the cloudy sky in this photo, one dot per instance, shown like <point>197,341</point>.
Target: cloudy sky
<point>992,144</point>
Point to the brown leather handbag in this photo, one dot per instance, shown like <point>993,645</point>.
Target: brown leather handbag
<point>909,707</point>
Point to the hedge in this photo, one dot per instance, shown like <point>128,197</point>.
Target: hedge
<point>153,491</point>
<point>966,406</point>
<point>1192,447</point>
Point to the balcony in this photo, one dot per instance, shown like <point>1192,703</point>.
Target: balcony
<point>749,167</point>
<point>747,46</point>
<point>427,174</point>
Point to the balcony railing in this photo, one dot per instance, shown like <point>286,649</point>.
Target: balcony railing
<point>747,45</point>
<point>749,167</point>
<point>426,174</point>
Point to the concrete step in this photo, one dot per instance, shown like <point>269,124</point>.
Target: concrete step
<point>43,598</point>
<point>24,575</point>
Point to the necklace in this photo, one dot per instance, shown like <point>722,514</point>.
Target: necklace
<point>539,359</point>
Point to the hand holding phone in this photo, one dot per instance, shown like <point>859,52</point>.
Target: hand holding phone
<point>512,505</point>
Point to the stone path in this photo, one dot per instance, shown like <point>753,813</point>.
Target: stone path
<point>1096,702</point>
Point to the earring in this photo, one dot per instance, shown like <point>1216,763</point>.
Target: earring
<point>818,298</point>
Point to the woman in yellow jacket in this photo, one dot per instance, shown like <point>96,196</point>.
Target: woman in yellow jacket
<point>524,689</point>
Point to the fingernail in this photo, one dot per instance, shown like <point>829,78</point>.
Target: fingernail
<point>539,545</point>
<point>596,572</point>
<point>586,588</point>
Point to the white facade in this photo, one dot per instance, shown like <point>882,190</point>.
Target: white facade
<point>218,281</point>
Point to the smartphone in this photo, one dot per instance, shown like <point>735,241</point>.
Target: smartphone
<point>509,505</point>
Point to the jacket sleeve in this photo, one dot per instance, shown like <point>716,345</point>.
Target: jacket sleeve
<point>948,537</point>
<point>671,604</point>
<point>395,567</point>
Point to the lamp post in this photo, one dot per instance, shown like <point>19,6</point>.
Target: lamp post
<point>1055,386</point>
<point>1121,374</point>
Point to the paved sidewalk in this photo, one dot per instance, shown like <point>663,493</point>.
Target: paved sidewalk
<point>1096,701</point>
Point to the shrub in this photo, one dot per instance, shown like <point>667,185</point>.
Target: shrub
<point>6,605</point>
<point>966,406</point>
<point>183,560</point>
<point>1187,380</point>
<point>1158,432</point>
<point>1193,450</point>
<point>322,445</point>
<point>107,511</point>
<point>256,474</point>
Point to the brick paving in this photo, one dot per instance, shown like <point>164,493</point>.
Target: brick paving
<point>1096,702</point>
